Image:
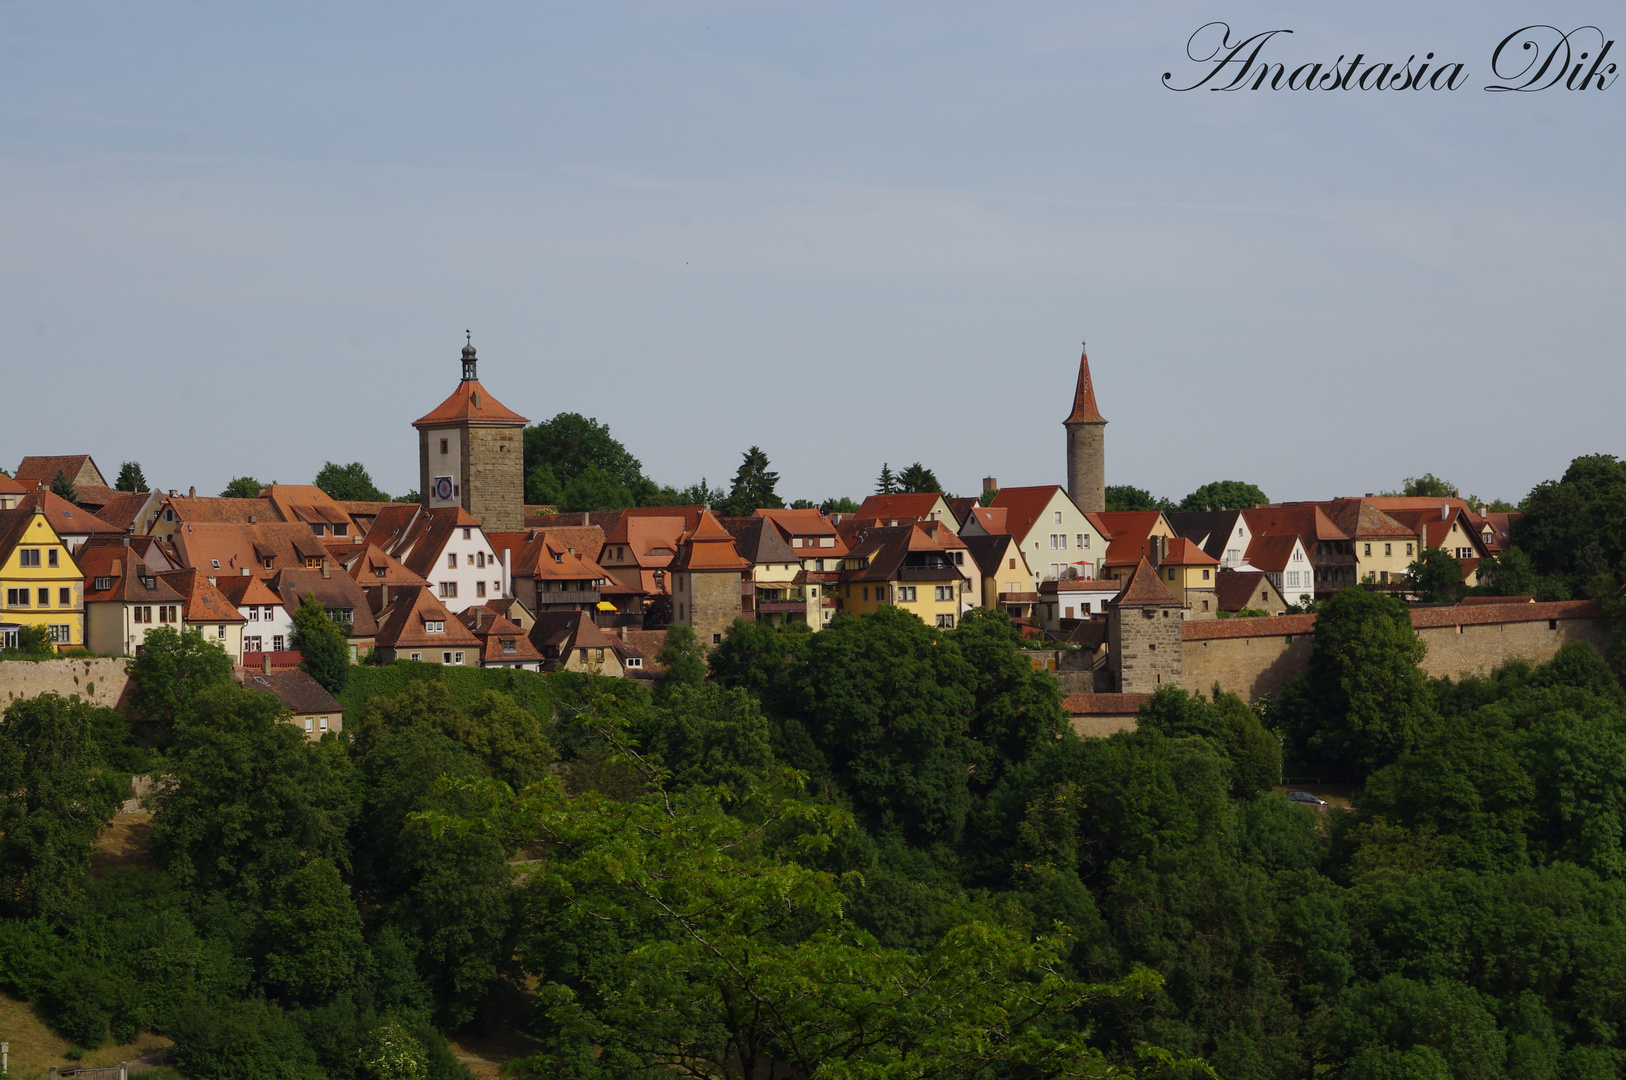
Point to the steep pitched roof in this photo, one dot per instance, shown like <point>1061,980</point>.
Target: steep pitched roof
<point>897,507</point>
<point>244,590</point>
<point>759,542</point>
<point>1143,589</point>
<point>418,540</point>
<point>1307,521</point>
<point>962,506</point>
<point>1023,505</point>
<point>226,549</point>
<point>1084,408</point>
<point>991,518</point>
<point>9,486</point>
<point>1183,552</point>
<point>500,640</point>
<point>708,546</point>
<point>401,625</point>
<point>989,553</point>
<point>1131,530</point>
<point>336,592</point>
<point>14,526</point>
<point>121,508</point>
<point>1360,520</point>
<point>469,403</point>
<point>202,602</point>
<point>202,508</point>
<point>307,503</point>
<point>130,581</point>
<point>1213,529</point>
<point>34,469</point>
<point>66,518</point>
<point>295,689</point>
<point>1271,553</point>
<point>1238,589</point>
<point>557,632</point>
<point>375,566</point>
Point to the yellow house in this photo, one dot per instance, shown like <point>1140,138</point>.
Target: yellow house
<point>1188,572</point>
<point>902,566</point>
<point>1384,547</point>
<point>39,580</point>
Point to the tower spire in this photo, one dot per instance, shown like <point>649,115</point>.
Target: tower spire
<point>468,357</point>
<point>1086,444</point>
<point>1084,407</point>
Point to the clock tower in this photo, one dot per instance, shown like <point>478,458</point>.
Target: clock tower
<point>471,454</point>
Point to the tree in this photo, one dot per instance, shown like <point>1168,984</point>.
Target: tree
<point>349,483</point>
<point>410,497</point>
<point>886,483</point>
<point>130,478</point>
<point>322,646</point>
<point>506,739</point>
<point>33,642</point>
<point>1428,486</point>
<point>62,487</point>
<point>248,801</point>
<point>55,798</point>
<point>701,494</point>
<point>683,659</point>
<point>842,505</point>
<point>1435,576</point>
<point>1563,518</point>
<point>1364,701</point>
<point>311,949</point>
<point>244,487</point>
<point>170,672</point>
<point>1017,710</point>
<point>918,478</point>
<point>568,445</point>
<point>1224,495</point>
<point>594,489</point>
<point>1124,497</point>
<point>754,486</point>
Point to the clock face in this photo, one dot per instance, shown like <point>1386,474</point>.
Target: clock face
<point>442,490</point>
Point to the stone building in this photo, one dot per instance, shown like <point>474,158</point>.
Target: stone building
<point>1086,445</point>
<point>707,575</point>
<point>1143,634</point>
<point>471,454</point>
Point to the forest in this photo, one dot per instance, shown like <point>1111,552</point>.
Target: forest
<point>877,851</point>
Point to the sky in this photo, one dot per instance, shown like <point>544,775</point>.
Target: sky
<point>248,239</point>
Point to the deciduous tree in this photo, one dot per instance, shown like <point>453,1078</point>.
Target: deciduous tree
<point>322,646</point>
<point>1224,495</point>
<point>349,483</point>
<point>243,487</point>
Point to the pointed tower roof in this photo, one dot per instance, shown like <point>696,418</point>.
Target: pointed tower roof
<point>1145,590</point>
<point>470,403</point>
<point>708,546</point>
<point>1084,407</point>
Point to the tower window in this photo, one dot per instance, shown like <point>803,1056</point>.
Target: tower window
<point>468,534</point>
<point>443,446</point>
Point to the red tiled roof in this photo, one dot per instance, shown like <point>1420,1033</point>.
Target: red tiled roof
<point>1084,408</point>
<point>1144,590</point>
<point>1272,553</point>
<point>127,574</point>
<point>1104,704</point>
<point>1304,520</point>
<point>66,518</point>
<point>246,589</point>
<point>494,630</point>
<point>708,546</point>
<point>907,504</point>
<point>1360,520</point>
<point>1131,531</point>
<point>1023,505</point>
<point>1238,589</point>
<point>34,469</point>
<point>203,603</point>
<point>991,518</point>
<point>8,486</point>
<point>401,624</point>
<point>469,403</point>
<point>1421,618</point>
<point>1183,552</point>
<point>1268,626</point>
<point>375,566</point>
<point>230,511</point>
<point>296,690</point>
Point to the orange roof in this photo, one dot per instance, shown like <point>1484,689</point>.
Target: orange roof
<point>1183,552</point>
<point>307,503</point>
<point>203,603</point>
<point>129,576</point>
<point>991,518</point>
<point>1304,520</point>
<point>708,546</point>
<point>403,624</point>
<point>1130,531</point>
<point>1084,410</point>
<point>1144,590</point>
<point>470,403</point>
<point>800,522</point>
<point>66,518</point>
<point>1272,553</point>
<point>246,589</point>
<point>232,511</point>
<point>219,548</point>
<point>8,486</point>
<point>1023,505</point>
<point>1360,520</point>
<point>501,641</point>
<point>375,566</point>
<point>941,534</point>
<point>46,468</point>
<point>652,538</point>
<point>908,504</point>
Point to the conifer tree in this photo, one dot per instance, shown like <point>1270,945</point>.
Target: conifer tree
<point>63,487</point>
<point>130,478</point>
<point>887,483</point>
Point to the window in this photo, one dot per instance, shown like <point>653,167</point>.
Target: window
<point>1058,517</point>
<point>1298,554</point>
<point>442,450</point>
<point>270,612</point>
<point>944,592</point>
<point>1292,579</point>
<point>416,656</point>
<point>323,722</point>
<point>866,592</point>
<point>635,661</point>
<point>1388,549</point>
<point>716,639</point>
<point>251,644</point>
<point>470,559</point>
<point>1078,541</point>
<point>1171,574</point>
<point>468,534</point>
<point>945,622</point>
<point>1408,549</point>
<point>1205,578</point>
<point>310,725</point>
<point>29,556</point>
<point>1052,541</point>
<point>253,613</point>
<point>1013,564</point>
<point>50,557</point>
<point>479,588</point>
<point>457,658</point>
<point>1205,605</point>
<point>1233,554</point>
<point>448,590</point>
<point>141,614</point>
<point>215,563</point>
<point>451,560</point>
<point>61,633</point>
<point>168,613</point>
<point>1368,549</point>
<point>906,594</point>
<point>446,658</point>
<point>102,584</point>
<point>278,643</point>
<point>509,645</point>
<point>318,528</point>
<point>220,632</point>
<point>45,598</point>
<point>341,530</point>
<point>434,626</point>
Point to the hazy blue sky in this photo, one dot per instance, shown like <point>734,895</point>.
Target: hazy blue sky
<point>240,239</point>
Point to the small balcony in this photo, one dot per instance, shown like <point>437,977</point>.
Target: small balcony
<point>1018,598</point>
<point>572,598</point>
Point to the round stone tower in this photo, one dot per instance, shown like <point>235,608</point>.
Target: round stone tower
<point>1086,445</point>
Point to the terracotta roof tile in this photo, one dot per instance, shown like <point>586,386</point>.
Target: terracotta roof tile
<point>203,603</point>
<point>1023,505</point>
<point>1238,589</point>
<point>1104,704</point>
<point>296,690</point>
<point>402,623</point>
<point>1144,590</point>
<point>34,469</point>
<point>66,518</point>
<point>1084,408</point>
<point>1183,552</point>
<point>1269,626</point>
<point>469,403</point>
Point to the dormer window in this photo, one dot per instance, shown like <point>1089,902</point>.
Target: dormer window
<point>558,558</point>
<point>509,645</point>
<point>266,562</point>
<point>378,571</point>
<point>318,528</point>
<point>434,626</point>
<point>149,582</point>
<point>102,584</point>
<point>215,563</point>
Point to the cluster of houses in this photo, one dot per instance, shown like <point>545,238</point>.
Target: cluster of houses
<point>472,576</point>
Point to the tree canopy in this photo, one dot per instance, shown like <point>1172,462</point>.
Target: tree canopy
<point>1125,497</point>
<point>755,486</point>
<point>130,478</point>
<point>1435,576</point>
<point>243,487</point>
<point>1223,495</point>
<point>349,483</point>
<point>917,479</point>
<point>324,650</point>
<point>63,487</point>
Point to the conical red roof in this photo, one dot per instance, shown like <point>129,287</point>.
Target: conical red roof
<point>1084,408</point>
<point>1145,589</point>
<point>470,402</point>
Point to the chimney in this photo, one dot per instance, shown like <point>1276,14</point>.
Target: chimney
<point>265,663</point>
<point>507,572</point>
<point>245,571</point>
<point>173,493</point>
<point>1445,511</point>
<point>191,493</point>
<point>585,522</point>
<point>325,573</point>
<point>383,597</point>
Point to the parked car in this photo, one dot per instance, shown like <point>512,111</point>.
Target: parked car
<point>1306,798</point>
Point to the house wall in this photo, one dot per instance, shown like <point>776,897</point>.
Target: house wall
<point>1387,557</point>
<point>279,624</point>
<point>477,567</point>
<point>231,640</point>
<point>42,538</point>
<point>317,724</point>
<point>433,463</point>
<point>100,681</point>
<point>1044,560</point>
<point>494,477</point>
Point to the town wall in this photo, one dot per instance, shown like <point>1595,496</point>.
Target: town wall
<point>98,680</point>
<point>1145,644</point>
<point>1456,649</point>
<point>1247,657</point>
<point>713,601</point>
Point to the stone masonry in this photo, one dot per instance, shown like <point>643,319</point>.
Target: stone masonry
<point>1146,643</point>
<point>712,600</point>
<point>494,477</point>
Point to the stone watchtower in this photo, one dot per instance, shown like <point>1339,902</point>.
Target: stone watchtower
<point>1143,634</point>
<point>471,454</point>
<point>1086,445</point>
<point>706,577</point>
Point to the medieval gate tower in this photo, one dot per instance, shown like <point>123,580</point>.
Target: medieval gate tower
<point>471,454</point>
<point>1086,445</point>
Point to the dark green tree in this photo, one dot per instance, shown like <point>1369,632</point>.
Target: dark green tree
<point>507,740</point>
<point>170,672</point>
<point>1435,576</point>
<point>1125,497</point>
<point>62,487</point>
<point>701,494</point>
<point>842,505</point>
<point>130,478</point>
<point>1428,486</point>
<point>248,801</point>
<point>1508,574</point>
<point>594,489</point>
<point>887,482</point>
<point>1364,701</point>
<point>349,483</point>
<point>310,947</point>
<point>890,702</point>
<point>33,642</point>
<point>1016,709</point>
<point>56,795</point>
<point>243,487</point>
<point>1224,495</point>
<point>410,497</point>
<point>710,735</point>
<point>683,659</point>
<point>324,650</point>
<point>568,445</point>
<point>918,478</point>
<point>1563,518</point>
<point>755,486</point>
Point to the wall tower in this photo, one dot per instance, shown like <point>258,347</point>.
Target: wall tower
<point>1086,445</point>
<point>1144,643</point>
<point>471,454</point>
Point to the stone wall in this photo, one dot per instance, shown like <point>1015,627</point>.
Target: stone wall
<point>494,478</point>
<point>713,603</point>
<point>1145,644</point>
<point>1086,466</point>
<point>1461,646</point>
<point>1248,657</point>
<point>100,681</point>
